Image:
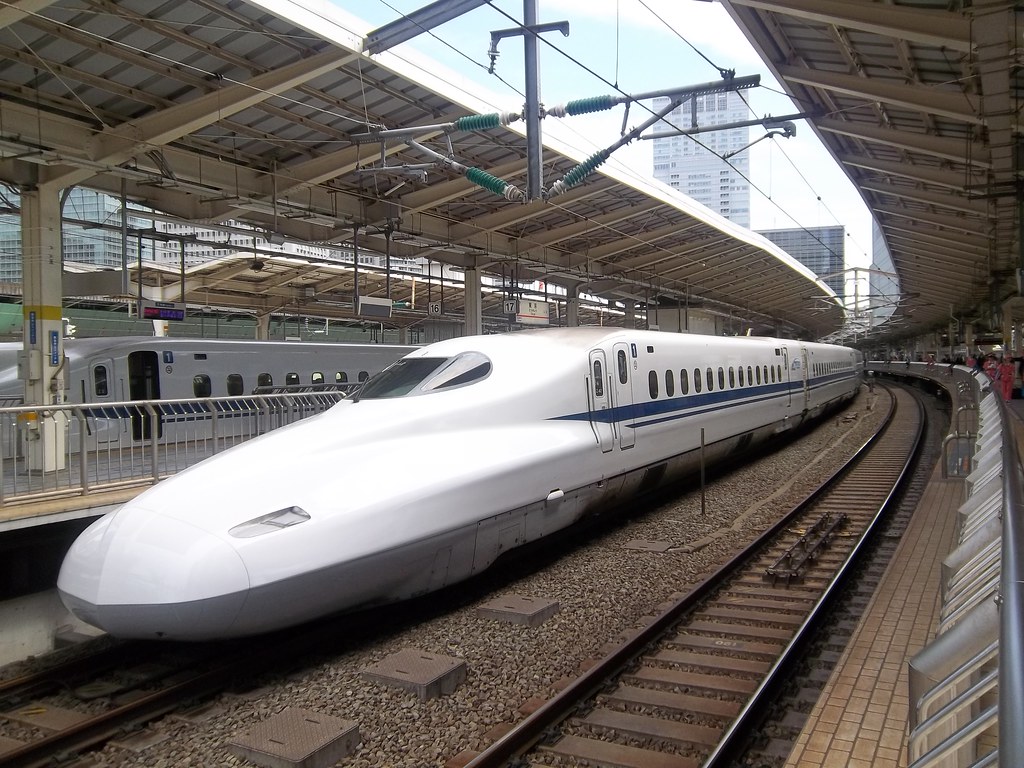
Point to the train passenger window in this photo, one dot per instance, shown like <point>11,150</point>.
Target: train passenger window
<point>750,377</point>
<point>99,381</point>
<point>291,379</point>
<point>741,376</point>
<point>696,380</point>
<point>772,368</point>
<point>766,374</point>
<point>670,383</point>
<point>341,377</point>
<point>598,380</point>
<point>721,377</point>
<point>758,369</point>
<point>652,384</point>
<point>732,377</point>
<point>711,379</point>
<point>316,378</point>
<point>779,368</point>
<point>623,366</point>
<point>363,376</point>
<point>201,385</point>
<point>264,380</point>
<point>684,382</point>
<point>235,384</point>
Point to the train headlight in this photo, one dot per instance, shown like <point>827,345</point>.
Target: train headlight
<point>275,521</point>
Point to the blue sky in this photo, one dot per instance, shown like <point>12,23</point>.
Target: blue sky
<point>624,43</point>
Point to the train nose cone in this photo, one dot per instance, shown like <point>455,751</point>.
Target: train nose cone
<point>141,574</point>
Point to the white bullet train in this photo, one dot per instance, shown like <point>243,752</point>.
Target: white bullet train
<point>460,451</point>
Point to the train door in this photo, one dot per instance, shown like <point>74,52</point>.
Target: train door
<point>788,375</point>
<point>600,400</point>
<point>622,393</point>
<point>144,384</point>
<point>805,376</point>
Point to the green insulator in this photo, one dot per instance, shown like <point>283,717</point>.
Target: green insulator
<point>486,180</point>
<point>478,122</point>
<point>592,104</point>
<point>584,169</point>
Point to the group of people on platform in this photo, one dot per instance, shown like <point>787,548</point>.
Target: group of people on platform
<point>1001,369</point>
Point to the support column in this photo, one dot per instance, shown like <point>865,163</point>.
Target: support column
<point>473,309</point>
<point>572,306</point>
<point>262,327</point>
<point>41,365</point>
<point>630,319</point>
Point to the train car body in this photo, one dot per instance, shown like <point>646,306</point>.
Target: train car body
<point>112,375</point>
<point>459,452</point>
<point>128,368</point>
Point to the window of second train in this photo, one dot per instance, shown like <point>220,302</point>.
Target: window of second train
<point>99,381</point>
<point>201,385</point>
<point>670,383</point>
<point>264,380</point>
<point>710,375</point>
<point>341,377</point>
<point>652,384</point>
<point>235,384</point>
<point>684,382</point>
<point>623,365</point>
<point>291,379</point>
<point>316,378</point>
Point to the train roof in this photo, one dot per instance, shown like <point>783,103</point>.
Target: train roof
<point>93,345</point>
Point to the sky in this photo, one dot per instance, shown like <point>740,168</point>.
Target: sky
<point>624,44</point>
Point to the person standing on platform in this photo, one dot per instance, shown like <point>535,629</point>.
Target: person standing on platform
<point>1006,374</point>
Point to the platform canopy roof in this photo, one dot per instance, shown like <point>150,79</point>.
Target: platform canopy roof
<point>265,113</point>
<point>919,101</point>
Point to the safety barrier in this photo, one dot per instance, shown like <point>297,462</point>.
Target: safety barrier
<point>77,450</point>
<point>971,675</point>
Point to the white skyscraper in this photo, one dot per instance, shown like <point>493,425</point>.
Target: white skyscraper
<point>699,171</point>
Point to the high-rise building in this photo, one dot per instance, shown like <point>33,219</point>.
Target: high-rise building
<point>694,164</point>
<point>821,249</point>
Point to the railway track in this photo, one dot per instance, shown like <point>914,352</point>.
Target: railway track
<point>127,715</point>
<point>691,687</point>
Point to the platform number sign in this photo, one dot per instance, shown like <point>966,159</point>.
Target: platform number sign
<point>511,306</point>
<point>434,309</point>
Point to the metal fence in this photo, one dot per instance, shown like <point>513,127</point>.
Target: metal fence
<point>76,450</point>
<point>971,675</point>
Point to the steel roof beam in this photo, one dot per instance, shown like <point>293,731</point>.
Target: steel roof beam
<point>115,146</point>
<point>926,175</point>
<point>974,227</point>
<point>917,97</point>
<point>917,25</point>
<point>956,150</point>
<point>952,202</point>
<point>14,11</point>
<point>417,22</point>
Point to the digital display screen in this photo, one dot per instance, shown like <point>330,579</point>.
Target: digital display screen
<point>162,311</point>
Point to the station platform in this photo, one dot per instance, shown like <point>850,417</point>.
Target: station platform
<point>861,718</point>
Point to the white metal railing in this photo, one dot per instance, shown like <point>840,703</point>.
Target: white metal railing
<point>76,450</point>
<point>959,680</point>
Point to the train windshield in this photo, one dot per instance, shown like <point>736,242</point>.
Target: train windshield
<point>421,375</point>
